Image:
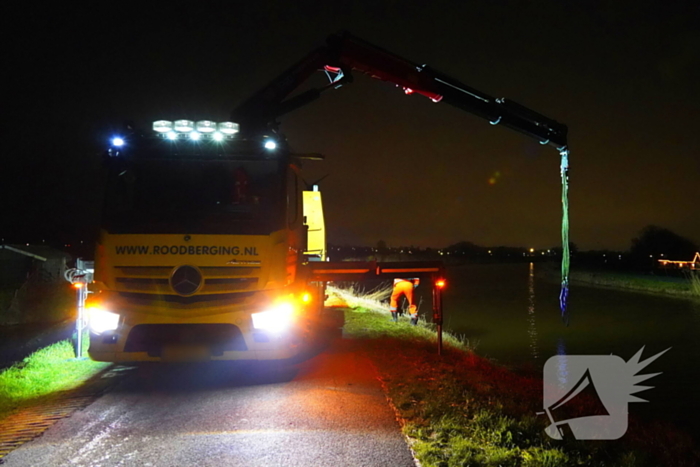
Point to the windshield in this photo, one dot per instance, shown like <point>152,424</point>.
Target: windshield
<point>195,196</point>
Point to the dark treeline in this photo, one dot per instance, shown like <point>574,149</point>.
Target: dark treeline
<point>461,252</point>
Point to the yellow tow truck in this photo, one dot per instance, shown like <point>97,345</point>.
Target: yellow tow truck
<point>211,249</point>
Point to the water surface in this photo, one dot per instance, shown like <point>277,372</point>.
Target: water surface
<point>512,315</point>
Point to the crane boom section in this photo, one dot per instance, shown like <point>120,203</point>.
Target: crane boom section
<point>345,53</point>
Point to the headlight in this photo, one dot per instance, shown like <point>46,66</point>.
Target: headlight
<point>102,320</point>
<point>275,319</point>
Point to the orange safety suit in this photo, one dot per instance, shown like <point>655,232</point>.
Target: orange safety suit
<point>404,287</point>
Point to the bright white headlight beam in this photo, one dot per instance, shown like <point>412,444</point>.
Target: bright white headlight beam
<point>102,320</point>
<point>277,319</point>
<point>118,142</point>
<point>270,145</point>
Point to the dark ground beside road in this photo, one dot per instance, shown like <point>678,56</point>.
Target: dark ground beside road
<point>20,340</point>
<point>327,410</point>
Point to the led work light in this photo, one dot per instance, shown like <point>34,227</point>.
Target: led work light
<point>162,126</point>
<point>228,128</point>
<point>206,126</point>
<point>183,126</point>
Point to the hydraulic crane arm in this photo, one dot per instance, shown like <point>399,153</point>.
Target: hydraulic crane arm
<point>345,53</point>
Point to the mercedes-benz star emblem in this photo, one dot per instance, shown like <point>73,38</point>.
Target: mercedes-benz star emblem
<point>186,280</point>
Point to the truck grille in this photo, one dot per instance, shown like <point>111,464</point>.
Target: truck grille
<point>155,279</point>
<point>152,338</point>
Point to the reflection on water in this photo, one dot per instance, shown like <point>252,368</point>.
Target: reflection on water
<point>562,369</point>
<point>495,306</point>
<point>532,328</point>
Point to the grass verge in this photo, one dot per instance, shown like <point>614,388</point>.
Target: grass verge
<point>376,323</point>
<point>651,284</point>
<point>659,285</point>
<point>462,410</point>
<point>43,374</point>
<point>694,278</point>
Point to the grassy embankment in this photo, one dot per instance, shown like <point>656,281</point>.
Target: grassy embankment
<point>686,287</point>
<point>695,284</point>
<point>42,375</point>
<point>460,409</point>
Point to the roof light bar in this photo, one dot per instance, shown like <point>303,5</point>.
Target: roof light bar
<point>202,130</point>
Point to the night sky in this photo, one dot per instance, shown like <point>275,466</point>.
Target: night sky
<point>623,75</point>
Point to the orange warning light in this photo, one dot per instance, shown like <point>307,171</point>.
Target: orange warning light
<point>306,297</point>
<point>78,285</point>
<point>440,283</point>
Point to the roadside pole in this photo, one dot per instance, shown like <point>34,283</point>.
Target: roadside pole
<point>438,285</point>
<point>80,277</point>
<point>78,341</point>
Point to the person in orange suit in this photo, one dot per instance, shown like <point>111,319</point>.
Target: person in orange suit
<point>404,287</point>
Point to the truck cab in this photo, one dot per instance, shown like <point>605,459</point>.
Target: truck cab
<point>199,249</point>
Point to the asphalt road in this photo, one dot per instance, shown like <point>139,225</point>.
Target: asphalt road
<point>328,410</point>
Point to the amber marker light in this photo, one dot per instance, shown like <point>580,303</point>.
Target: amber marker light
<point>306,297</point>
<point>78,285</point>
<point>440,283</point>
